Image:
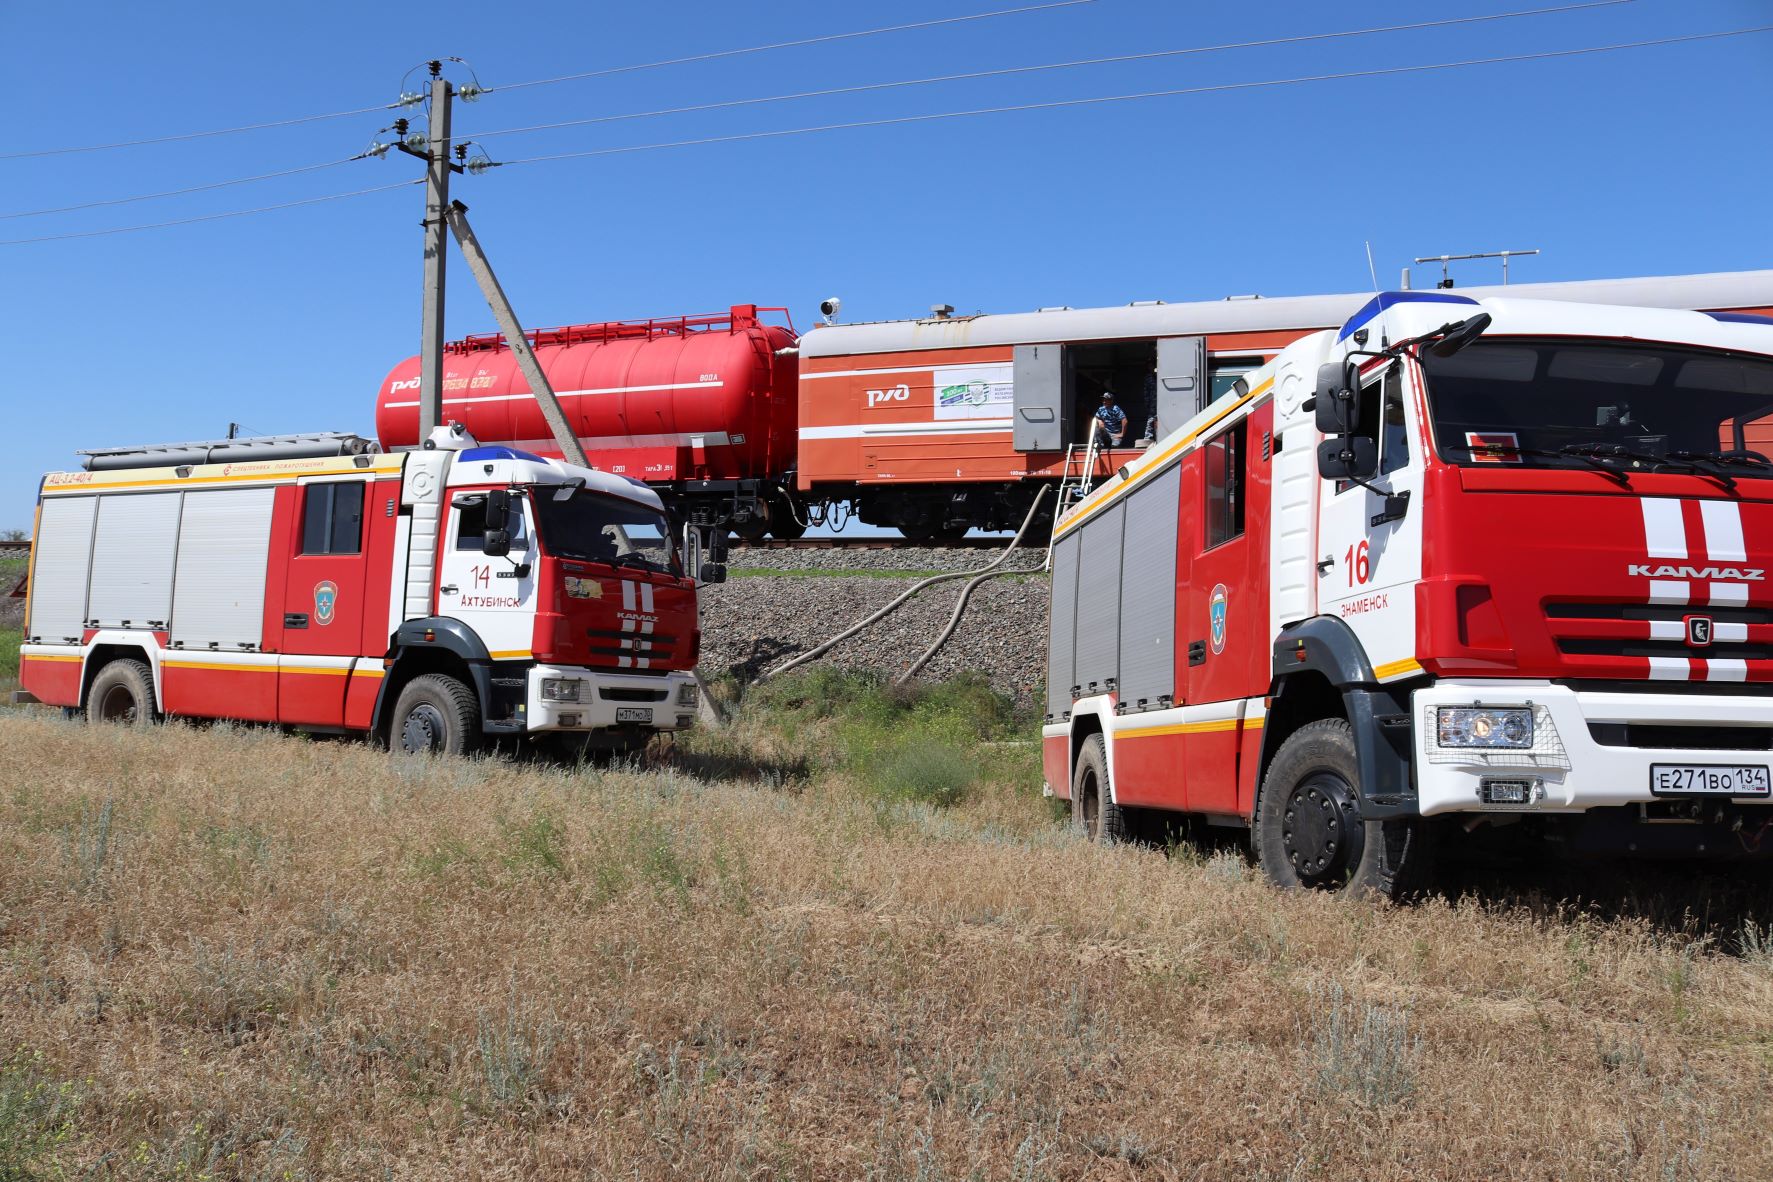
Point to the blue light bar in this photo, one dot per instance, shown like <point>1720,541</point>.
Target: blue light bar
<point>1388,299</point>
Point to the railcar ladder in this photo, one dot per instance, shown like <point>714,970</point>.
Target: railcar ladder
<point>1074,486</point>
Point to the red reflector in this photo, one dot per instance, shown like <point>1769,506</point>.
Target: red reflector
<point>430,635</point>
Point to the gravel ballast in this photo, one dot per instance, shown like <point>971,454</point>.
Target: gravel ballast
<point>753,623</point>
<point>908,558</point>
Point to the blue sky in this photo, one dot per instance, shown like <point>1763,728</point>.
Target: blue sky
<point>1641,162</point>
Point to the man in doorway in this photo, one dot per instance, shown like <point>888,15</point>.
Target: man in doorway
<point>1110,429</point>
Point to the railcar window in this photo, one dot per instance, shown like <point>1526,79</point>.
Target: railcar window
<point>1224,461</point>
<point>1223,373</point>
<point>332,518</point>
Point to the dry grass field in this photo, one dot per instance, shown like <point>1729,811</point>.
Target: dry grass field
<point>236,954</point>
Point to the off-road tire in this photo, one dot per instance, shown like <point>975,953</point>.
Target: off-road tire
<point>1093,810</point>
<point>435,714</point>
<point>123,692</point>
<point>1308,832</point>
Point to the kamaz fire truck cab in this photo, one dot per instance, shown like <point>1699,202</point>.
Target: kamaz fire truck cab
<point>1500,560</point>
<point>434,597</point>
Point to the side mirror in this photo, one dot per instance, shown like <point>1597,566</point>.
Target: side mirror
<point>496,543</point>
<point>498,505</point>
<point>717,548</point>
<point>1337,402</point>
<point>713,572</point>
<point>1347,457</point>
<point>1461,335</point>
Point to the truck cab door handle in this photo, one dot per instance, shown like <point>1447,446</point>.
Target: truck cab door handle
<point>448,589</point>
<point>1197,652</point>
<point>295,619</point>
<point>1324,565</point>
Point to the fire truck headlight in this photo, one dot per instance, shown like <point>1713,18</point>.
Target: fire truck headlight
<point>1506,727</point>
<point>686,694</point>
<point>560,689</point>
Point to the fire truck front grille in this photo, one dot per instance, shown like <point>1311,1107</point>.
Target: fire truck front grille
<point>1651,631</point>
<point>611,645</point>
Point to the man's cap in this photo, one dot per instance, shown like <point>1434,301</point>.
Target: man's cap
<point>1107,395</point>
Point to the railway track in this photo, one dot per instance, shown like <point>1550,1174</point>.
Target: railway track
<point>14,550</point>
<point>870,544</point>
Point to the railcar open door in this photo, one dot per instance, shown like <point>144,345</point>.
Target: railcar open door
<point>1181,381</point>
<point>1042,398</point>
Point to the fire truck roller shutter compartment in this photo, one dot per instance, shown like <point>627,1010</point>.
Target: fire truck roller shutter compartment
<point>133,553</point>
<point>63,563</point>
<point>1062,628</point>
<point>1148,594</point>
<point>1098,602</point>
<point>223,549</point>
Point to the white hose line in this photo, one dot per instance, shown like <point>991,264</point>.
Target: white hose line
<point>820,650</point>
<point>960,606</point>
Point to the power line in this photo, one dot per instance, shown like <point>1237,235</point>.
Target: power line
<point>196,135</point>
<point>1150,94</point>
<point>1095,61</point>
<point>905,119</point>
<point>701,57</point>
<point>829,37</point>
<point>210,217</point>
<point>245,180</point>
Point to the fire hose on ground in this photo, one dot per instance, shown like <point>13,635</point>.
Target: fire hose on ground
<point>974,577</point>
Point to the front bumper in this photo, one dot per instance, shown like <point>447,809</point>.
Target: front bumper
<point>607,699</point>
<point>1568,768</point>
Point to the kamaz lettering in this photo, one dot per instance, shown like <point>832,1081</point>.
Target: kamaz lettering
<point>1722,574</point>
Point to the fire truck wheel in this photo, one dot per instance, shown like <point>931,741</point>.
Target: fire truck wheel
<point>1308,831</point>
<point>1093,810</point>
<point>122,692</point>
<point>435,715</point>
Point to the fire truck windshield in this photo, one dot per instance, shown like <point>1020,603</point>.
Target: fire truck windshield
<point>598,528</point>
<point>1591,403</point>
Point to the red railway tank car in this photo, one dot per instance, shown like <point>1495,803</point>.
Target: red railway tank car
<point>702,408</point>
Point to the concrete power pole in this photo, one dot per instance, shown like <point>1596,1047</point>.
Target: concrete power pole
<point>512,328</point>
<point>437,170</point>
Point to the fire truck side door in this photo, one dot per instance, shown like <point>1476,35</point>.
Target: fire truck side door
<point>492,594</point>
<point>1225,622</point>
<point>1366,570</point>
<point>323,603</point>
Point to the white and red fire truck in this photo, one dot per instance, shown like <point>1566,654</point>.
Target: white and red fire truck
<point>1498,561</point>
<point>433,598</point>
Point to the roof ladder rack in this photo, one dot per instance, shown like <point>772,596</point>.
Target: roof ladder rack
<point>229,451</point>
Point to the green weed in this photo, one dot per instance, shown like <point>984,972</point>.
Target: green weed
<point>36,1119</point>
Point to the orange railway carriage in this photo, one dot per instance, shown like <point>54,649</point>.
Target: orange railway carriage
<point>941,425</point>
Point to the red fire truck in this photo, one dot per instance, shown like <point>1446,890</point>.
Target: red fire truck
<point>433,598</point>
<point>1497,561</point>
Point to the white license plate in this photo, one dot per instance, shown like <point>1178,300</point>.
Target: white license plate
<point>645,714</point>
<point>1708,779</point>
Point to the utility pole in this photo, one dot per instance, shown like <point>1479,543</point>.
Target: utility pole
<point>437,170</point>
<point>570,447</point>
